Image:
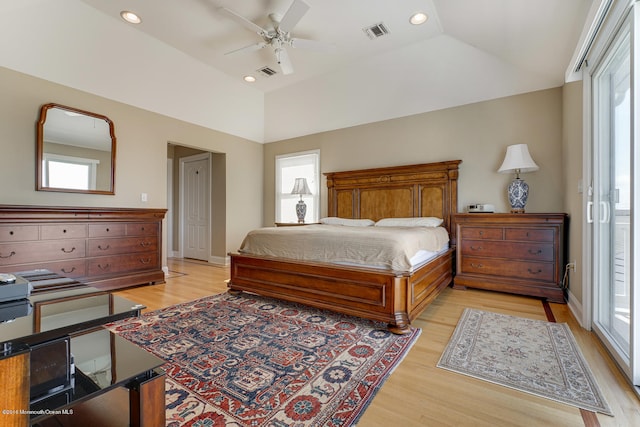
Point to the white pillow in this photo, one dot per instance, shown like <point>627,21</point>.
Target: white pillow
<point>427,221</point>
<point>334,220</point>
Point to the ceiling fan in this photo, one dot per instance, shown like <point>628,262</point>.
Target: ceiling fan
<point>278,36</point>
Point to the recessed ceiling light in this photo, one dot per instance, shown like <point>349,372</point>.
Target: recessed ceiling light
<point>249,79</point>
<point>130,17</point>
<point>418,18</point>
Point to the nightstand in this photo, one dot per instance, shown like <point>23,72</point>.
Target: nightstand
<point>516,253</point>
<point>294,224</point>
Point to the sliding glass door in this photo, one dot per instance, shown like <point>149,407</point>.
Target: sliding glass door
<point>611,211</point>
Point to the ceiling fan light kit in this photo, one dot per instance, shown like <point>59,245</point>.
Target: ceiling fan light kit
<point>278,38</point>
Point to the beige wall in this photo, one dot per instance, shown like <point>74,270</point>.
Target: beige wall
<point>549,121</point>
<point>572,170</point>
<point>141,157</point>
<point>478,134</point>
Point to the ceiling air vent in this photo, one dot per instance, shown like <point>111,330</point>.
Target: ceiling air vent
<point>375,31</point>
<point>267,71</point>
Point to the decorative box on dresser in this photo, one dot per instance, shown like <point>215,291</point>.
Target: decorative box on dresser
<point>517,253</point>
<point>107,248</point>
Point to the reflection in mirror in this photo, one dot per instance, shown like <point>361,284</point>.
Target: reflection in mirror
<point>75,151</point>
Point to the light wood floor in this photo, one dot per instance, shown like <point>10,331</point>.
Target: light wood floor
<point>418,393</point>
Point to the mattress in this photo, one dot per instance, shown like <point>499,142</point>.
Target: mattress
<point>392,248</point>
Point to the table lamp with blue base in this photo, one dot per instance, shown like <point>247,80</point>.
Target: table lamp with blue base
<point>518,160</point>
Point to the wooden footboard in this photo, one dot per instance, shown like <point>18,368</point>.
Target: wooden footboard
<point>396,299</point>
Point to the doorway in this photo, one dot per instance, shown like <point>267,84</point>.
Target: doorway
<point>611,206</point>
<point>205,244</point>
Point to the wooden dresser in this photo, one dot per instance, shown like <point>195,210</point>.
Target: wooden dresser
<point>517,253</point>
<point>107,248</point>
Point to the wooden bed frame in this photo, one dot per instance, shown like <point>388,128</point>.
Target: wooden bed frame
<point>395,298</point>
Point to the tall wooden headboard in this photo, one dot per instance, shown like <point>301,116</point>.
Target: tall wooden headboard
<point>429,189</point>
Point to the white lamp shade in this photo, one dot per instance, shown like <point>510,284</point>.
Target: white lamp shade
<point>518,158</point>
<point>301,187</point>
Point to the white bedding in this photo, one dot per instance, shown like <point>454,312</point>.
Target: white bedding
<point>392,248</point>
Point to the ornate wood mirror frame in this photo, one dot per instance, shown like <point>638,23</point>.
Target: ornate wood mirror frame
<point>75,151</point>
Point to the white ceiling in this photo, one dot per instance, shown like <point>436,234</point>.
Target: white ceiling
<point>538,36</point>
<point>468,51</point>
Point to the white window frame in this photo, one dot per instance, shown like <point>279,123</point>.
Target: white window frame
<point>309,158</point>
<point>92,165</point>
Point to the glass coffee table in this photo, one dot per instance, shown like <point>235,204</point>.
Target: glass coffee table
<point>55,356</point>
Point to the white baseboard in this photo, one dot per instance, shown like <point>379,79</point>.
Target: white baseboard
<point>575,307</point>
<point>219,260</point>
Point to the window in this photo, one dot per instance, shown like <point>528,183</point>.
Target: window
<point>69,172</point>
<point>288,168</point>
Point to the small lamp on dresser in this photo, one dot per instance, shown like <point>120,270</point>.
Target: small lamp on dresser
<point>518,160</point>
<point>300,187</point>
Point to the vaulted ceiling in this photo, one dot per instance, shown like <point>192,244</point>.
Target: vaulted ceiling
<point>176,61</point>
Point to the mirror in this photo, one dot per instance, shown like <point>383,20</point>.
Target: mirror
<point>76,151</point>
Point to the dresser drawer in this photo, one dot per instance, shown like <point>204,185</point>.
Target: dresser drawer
<point>102,247</point>
<point>530,234</point>
<point>18,233</point>
<point>142,229</point>
<point>73,268</point>
<point>22,253</point>
<point>508,268</point>
<point>512,250</point>
<point>63,231</point>
<point>123,263</point>
<point>481,233</point>
<point>107,230</point>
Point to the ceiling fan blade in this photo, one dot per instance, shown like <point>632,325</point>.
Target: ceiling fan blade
<point>243,21</point>
<point>250,48</point>
<point>282,57</point>
<point>312,45</point>
<point>293,15</point>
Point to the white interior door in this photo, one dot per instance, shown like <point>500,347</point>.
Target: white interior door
<point>196,206</point>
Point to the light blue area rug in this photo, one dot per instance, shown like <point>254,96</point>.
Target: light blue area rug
<point>533,356</point>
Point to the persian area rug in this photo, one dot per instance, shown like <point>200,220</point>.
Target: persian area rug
<point>533,356</point>
<point>253,361</point>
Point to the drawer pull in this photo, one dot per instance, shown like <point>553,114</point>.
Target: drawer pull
<point>145,261</point>
<point>68,252</point>
<point>534,272</point>
<point>476,248</point>
<point>11,233</point>
<point>476,265</point>
<point>145,244</point>
<point>104,267</point>
<point>104,249</point>
<point>533,252</point>
<point>64,270</point>
<point>8,256</point>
